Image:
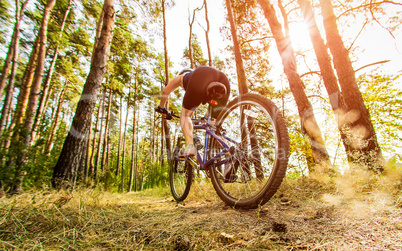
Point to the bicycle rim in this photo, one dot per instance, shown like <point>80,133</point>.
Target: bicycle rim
<point>257,162</point>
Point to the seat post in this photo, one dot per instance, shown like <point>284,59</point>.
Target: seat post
<point>209,113</point>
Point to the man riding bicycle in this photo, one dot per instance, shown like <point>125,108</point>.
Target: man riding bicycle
<point>201,85</point>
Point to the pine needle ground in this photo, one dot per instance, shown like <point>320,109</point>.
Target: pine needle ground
<point>358,211</point>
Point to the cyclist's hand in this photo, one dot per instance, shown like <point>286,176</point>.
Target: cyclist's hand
<point>161,110</point>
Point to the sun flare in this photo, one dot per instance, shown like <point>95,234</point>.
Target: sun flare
<point>299,36</point>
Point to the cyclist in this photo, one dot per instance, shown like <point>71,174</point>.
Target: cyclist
<point>198,84</point>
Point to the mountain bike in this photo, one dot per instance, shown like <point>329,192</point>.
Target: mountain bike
<point>244,153</point>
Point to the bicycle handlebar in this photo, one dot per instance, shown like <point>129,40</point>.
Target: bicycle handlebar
<point>172,115</point>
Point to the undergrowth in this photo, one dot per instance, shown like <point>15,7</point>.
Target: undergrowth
<point>305,211</point>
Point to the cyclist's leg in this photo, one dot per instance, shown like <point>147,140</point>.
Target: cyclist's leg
<point>187,128</point>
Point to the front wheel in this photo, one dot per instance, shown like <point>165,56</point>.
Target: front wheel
<point>252,171</point>
<point>180,176</point>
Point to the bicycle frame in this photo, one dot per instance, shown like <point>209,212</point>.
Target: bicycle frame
<point>210,132</point>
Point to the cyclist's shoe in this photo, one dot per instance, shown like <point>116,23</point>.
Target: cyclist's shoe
<point>188,151</point>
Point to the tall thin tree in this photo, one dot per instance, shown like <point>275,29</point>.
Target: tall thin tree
<point>24,131</point>
<point>364,148</point>
<point>65,169</point>
<point>305,109</point>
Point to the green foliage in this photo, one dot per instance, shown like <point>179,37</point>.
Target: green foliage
<point>5,20</point>
<point>383,99</point>
<point>253,36</point>
<point>198,57</point>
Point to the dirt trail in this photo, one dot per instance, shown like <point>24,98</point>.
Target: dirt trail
<point>301,216</point>
<point>280,225</point>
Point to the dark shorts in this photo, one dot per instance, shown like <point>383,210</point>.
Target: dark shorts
<point>195,83</point>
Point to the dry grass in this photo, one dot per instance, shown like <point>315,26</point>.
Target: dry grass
<point>358,211</point>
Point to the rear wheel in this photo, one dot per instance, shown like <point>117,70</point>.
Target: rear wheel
<point>254,168</point>
<point>180,176</point>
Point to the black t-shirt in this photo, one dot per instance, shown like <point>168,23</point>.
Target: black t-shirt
<point>196,82</point>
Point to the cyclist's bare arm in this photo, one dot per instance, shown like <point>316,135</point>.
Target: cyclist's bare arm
<point>173,85</point>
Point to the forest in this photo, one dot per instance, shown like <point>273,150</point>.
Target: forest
<point>49,72</point>
<point>80,81</point>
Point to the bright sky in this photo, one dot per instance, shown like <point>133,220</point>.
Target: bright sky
<point>377,43</point>
<point>178,27</point>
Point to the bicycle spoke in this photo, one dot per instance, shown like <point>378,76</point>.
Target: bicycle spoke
<point>255,156</point>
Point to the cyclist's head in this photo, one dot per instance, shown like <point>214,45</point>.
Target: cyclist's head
<point>185,70</point>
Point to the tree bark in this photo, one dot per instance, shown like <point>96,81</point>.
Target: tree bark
<point>40,109</point>
<point>285,49</point>
<point>10,90</point>
<point>324,62</point>
<point>36,84</point>
<point>87,157</point>
<point>164,122</point>
<point>165,43</point>
<point>120,136</point>
<point>22,101</point>
<point>132,169</point>
<point>25,132</point>
<point>11,58</point>
<point>105,139</point>
<point>65,169</point>
<point>13,44</point>
<point>55,120</point>
<point>207,34</point>
<point>364,148</point>
<point>91,160</point>
<point>241,73</point>
<point>98,150</point>
<point>190,38</point>
<point>123,157</point>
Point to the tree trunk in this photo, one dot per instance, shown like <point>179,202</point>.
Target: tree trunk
<point>13,44</point>
<point>27,79</point>
<point>165,43</point>
<point>241,73</point>
<point>190,38</point>
<point>364,148</point>
<point>65,169</point>
<point>25,132</point>
<point>130,185</point>
<point>164,122</point>
<point>105,139</point>
<point>136,158</point>
<point>55,120</point>
<point>123,157</point>
<point>36,84</point>
<point>98,151</point>
<point>91,160</point>
<point>285,49</point>
<point>152,150</point>
<point>87,158</point>
<point>324,62</point>
<point>207,34</point>
<point>22,101</point>
<point>10,91</point>
<point>120,136</point>
<point>39,111</point>
<point>11,58</point>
